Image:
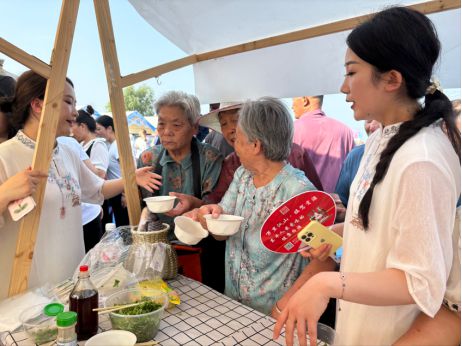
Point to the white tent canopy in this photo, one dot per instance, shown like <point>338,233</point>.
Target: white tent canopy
<point>307,67</point>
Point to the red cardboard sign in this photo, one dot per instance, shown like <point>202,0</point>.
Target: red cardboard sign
<point>280,229</point>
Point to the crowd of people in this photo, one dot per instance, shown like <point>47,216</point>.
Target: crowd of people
<point>398,195</point>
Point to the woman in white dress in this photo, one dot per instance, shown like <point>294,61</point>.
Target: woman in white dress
<point>83,130</point>
<point>398,226</point>
<point>59,245</point>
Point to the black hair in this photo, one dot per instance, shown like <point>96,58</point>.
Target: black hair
<point>404,40</point>
<point>7,86</point>
<point>29,86</point>
<point>85,118</point>
<point>106,121</point>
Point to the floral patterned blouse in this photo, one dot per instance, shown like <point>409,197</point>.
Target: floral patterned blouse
<point>178,177</point>
<point>256,276</point>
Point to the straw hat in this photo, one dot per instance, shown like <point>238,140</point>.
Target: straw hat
<point>211,120</point>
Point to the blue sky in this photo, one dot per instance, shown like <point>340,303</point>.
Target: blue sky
<point>31,25</point>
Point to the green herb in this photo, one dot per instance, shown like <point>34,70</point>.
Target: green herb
<point>144,308</point>
<point>116,283</point>
<point>138,319</point>
<point>44,335</point>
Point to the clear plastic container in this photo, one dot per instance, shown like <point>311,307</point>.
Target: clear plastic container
<point>326,335</point>
<point>144,326</point>
<point>39,322</point>
<point>109,227</point>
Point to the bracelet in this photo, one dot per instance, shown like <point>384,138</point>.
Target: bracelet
<point>277,308</point>
<point>342,277</point>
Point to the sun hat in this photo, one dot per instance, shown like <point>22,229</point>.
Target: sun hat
<point>211,120</point>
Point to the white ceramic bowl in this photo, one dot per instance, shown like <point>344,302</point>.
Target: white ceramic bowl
<point>189,231</point>
<point>224,224</point>
<point>160,204</point>
<point>112,337</point>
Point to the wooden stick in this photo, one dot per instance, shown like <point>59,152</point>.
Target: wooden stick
<point>111,64</point>
<point>24,58</point>
<point>320,30</point>
<point>116,307</point>
<point>45,142</point>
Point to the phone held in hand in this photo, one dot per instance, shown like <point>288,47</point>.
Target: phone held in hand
<point>315,235</point>
<point>21,207</point>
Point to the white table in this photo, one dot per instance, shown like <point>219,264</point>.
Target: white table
<point>204,317</point>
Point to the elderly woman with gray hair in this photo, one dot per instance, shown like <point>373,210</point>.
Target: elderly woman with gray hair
<point>256,276</point>
<point>185,164</point>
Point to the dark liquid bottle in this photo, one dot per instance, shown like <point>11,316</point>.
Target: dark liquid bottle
<point>83,299</point>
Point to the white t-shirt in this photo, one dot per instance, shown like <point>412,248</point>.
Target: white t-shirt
<point>59,245</point>
<point>99,157</point>
<point>113,171</point>
<point>452,296</point>
<point>72,142</point>
<point>411,223</point>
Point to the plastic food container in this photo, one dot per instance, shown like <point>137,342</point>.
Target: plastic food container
<point>39,322</point>
<point>144,326</point>
<point>223,225</point>
<point>188,231</point>
<point>160,204</point>
<point>326,335</point>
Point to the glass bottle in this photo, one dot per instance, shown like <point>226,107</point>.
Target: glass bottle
<point>66,322</point>
<point>83,299</point>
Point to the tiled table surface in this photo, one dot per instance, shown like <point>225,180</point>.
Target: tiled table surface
<point>204,317</point>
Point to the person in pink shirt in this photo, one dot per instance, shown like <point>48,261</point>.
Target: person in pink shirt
<point>326,140</point>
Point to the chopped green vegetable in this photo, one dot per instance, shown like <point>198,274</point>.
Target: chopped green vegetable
<point>142,320</point>
<point>144,308</point>
<point>44,335</point>
<point>116,283</point>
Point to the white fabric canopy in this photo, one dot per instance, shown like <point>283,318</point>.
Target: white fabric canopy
<point>309,67</point>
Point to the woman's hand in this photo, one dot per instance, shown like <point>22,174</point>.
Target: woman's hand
<point>20,185</point>
<point>148,180</point>
<point>185,204</point>
<point>198,213</point>
<point>320,253</point>
<point>303,310</point>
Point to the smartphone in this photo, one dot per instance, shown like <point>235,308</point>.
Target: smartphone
<point>315,234</point>
<point>21,207</point>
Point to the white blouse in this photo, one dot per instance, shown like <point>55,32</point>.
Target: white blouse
<point>59,245</point>
<point>411,223</point>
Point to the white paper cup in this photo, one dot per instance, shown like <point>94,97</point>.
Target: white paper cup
<point>160,204</point>
<point>223,225</point>
<point>189,231</point>
<point>112,337</point>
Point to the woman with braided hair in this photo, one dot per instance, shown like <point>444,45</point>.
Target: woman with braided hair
<point>400,216</point>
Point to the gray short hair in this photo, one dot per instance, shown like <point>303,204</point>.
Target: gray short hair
<point>269,121</point>
<point>189,104</point>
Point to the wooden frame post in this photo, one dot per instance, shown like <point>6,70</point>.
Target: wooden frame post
<point>45,142</point>
<point>114,81</point>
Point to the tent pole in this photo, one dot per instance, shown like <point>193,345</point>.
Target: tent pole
<point>24,58</point>
<point>325,29</point>
<point>111,64</point>
<point>45,143</point>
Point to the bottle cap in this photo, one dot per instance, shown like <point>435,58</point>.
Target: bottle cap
<point>66,319</point>
<point>53,309</point>
<point>84,268</point>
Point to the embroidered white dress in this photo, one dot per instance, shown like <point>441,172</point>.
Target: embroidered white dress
<point>59,246</point>
<point>411,223</point>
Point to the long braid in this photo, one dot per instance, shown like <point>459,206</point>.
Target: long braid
<point>437,106</point>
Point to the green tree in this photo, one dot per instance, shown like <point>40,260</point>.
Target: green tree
<point>140,99</point>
